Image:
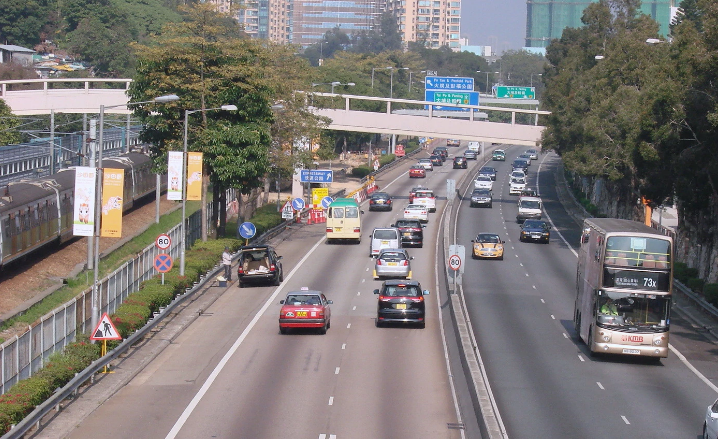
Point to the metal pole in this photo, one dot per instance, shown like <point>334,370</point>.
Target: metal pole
<point>127,135</point>
<point>158,198</point>
<point>98,208</point>
<point>391,87</point>
<point>92,162</point>
<point>52,141</point>
<point>372,77</point>
<point>487,82</point>
<point>183,232</point>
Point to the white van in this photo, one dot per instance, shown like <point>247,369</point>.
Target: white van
<point>385,237</point>
<point>475,146</point>
<point>529,208</point>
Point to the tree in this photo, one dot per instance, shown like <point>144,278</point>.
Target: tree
<point>8,125</point>
<point>204,62</point>
<point>384,38</point>
<point>114,59</point>
<point>21,21</point>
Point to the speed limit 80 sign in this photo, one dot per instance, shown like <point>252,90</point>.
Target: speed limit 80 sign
<point>163,242</point>
<point>455,262</point>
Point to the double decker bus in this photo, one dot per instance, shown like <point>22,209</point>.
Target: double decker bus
<point>624,283</point>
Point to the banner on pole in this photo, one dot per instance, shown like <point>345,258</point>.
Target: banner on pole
<point>83,223</point>
<point>113,183</point>
<point>174,175</point>
<point>194,176</point>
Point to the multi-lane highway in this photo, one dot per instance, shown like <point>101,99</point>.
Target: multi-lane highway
<point>232,375</point>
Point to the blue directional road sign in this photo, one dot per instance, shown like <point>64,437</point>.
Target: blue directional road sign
<point>453,97</point>
<point>326,201</point>
<point>448,83</point>
<point>298,204</point>
<point>316,176</point>
<point>247,230</point>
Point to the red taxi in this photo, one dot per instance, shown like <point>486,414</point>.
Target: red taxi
<point>417,172</point>
<point>305,309</point>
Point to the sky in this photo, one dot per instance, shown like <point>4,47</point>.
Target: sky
<point>497,23</point>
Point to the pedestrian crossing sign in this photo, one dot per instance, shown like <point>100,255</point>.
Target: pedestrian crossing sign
<point>105,330</point>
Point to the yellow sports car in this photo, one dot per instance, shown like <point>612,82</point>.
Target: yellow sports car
<point>488,245</point>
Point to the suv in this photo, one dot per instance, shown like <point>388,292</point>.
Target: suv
<point>443,151</point>
<point>460,163</point>
<point>259,264</point>
<point>411,231</point>
<point>401,301</point>
<point>521,165</point>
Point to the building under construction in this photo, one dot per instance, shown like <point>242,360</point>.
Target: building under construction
<point>546,19</point>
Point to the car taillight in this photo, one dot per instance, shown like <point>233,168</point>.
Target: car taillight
<point>384,299</point>
<point>378,262</point>
<point>329,230</point>
<point>357,230</point>
<point>388,201</point>
<point>240,270</point>
<point>272,268</point>
<point>417,299</point>
<point>405,262</point>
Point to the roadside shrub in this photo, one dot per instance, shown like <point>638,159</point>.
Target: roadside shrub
<point>264,219</point>
<point>386,159</point>
<point>130,317</point>
<point>710,292</point>
<point>696,284</point>
<point>22,398</point>
<point>679,271</point>
<point>361,171</point>
<point>155,295</point>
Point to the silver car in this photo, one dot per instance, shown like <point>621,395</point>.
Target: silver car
<point>393,262</point>
<point>710,426</point>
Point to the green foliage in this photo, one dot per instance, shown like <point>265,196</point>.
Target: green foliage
<point>696,284</point>
<point>386,159</point>
<point>710,292</point>
<point>266,217</point>
<point>130,316</point>
<point>21,21</point>
<point>683,272</point>
<point>361,171</point>
<point>8,125</point>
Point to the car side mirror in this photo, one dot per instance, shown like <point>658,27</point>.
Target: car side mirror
<point>279,257</point>
<point>503,242</point>
<point>393,225</point>
<point>411,258</point>
<point>426,292</point>
<point>376,291</point>
<point>423,226</point>
<point>281,302</point>
<point>361,211</point>
<point>329,302</point>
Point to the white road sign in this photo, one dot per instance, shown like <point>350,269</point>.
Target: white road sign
<point>163,242</point>
<point>287,211</point>
<point>455,262</point>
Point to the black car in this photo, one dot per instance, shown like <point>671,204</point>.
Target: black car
<point>535,230</point>
<point>436,160</point>
<point>460,163</point>
<point>481,197</point>
<point>470,154</point>
<point>401,301</point>
<point>259,264</point>
<point>488,170</point>
<point>380,201</point>
<point>521,165</point>
<point>411,232</point>
<point>443,151</point>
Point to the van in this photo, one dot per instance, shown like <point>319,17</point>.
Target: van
<point>529,208</point>
<point>384,237</point>
<point>344,220</point>
<point>474,146</point>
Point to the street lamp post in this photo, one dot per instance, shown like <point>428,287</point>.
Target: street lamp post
<point>410,73</point>
<point>183,233</point>
<point>372,73</point>
<point>487,79</point>
<point>98,199</point>
<point>391,87</point>
<point>532,77</point>
<point>333,84</point>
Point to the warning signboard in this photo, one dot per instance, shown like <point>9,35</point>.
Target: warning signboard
<point>287,211</point>
<point>105,330</point>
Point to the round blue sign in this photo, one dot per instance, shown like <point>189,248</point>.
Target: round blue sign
<point>247,230</point>
<point>298,203</point>
<point>326,201</point>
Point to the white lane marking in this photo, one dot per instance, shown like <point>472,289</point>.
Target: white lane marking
<point>542,301</point>
<point>553,317</point>
<point>322,436</point>
<point>332,436</point>
<point>527,275</point>
<point>354,308</point>
<point>538,175</point>
<point>223,362</point>
<point>331,400</point>
<point>680,356</point>
<point>349,325</point>
<point>625,420</point>
<point>600,386</point>
<point>521,264</point>
<point>533,286</point>
<point>693,369</point>
<point>358,293</point>
<point>363,280</point>
<point>367,269</point>
<point>336,371</point>
<point>344,346</point>
<point>565,335</point>
<point>580,357</point>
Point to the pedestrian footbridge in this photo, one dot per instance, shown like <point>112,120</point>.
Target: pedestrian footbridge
<point>397,116</point>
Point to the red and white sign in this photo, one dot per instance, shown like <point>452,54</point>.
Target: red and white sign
<point>105,330</point>
<point>163,242</point>
<point>455,262</point>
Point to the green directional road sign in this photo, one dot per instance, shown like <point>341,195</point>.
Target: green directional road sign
<point>504,91</point>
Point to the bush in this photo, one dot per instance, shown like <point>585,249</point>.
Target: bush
<point>710,292</point>
<point>386,159</point>
<point>696,284</point>
<point>130,316</point>
<point>683,272</point>
<point>361,171</point>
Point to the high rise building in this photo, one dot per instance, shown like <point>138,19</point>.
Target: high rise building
<point>311,19</point>
<point>546,19</point>
<point>436,23</point>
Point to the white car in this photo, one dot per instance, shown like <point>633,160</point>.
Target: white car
<point>516,185</point>
<point>483,182</point>
<point>417,211</point>
<point>518,174</point>
<point>426,163</point>
<point>710,425</point>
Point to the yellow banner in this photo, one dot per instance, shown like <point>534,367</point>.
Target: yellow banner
<point>112,198</point>
<point>317,194</point>
<point>194,176</point>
